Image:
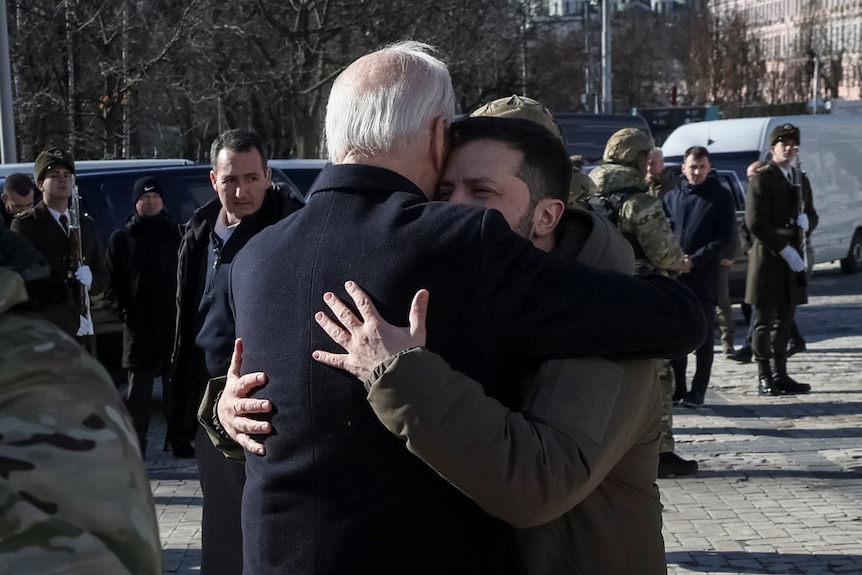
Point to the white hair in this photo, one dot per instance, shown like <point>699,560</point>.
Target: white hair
<point>385,99</point>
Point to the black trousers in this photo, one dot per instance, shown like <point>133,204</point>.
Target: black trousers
<point>704,356</point>
<point>222,480</point>
<point>139,399</point>
<point>772,329</point>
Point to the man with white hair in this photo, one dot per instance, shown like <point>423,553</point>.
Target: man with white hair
<point>334,491</point>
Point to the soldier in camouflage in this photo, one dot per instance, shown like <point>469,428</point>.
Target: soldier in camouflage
<point>622,196</point>
<point>74,492</point>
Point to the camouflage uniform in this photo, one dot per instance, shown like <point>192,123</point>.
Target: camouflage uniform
<point>74,492</point>
<point>643,221</point>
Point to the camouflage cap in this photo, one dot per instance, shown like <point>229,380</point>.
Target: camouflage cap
<point>52,157</point>
<point>625,145</point>
<point>784,132</point>
<point>522,108</point>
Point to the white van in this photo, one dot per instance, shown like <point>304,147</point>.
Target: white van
<point>831,156</point>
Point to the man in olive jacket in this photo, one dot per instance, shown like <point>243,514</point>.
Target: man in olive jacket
<point>780,217</point>
<point>574,463</point>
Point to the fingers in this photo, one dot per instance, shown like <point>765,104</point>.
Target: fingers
<point>344,314</point>
<point>333,329</point>
<point>236,358</point>
<point>244,406</point>
<point>248,383</point>
<point>250,444</point>
<point>331,359</point>
<point>363,302</point>
<point>419,314</point>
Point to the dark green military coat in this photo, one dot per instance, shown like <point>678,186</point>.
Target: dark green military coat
<point>770,214</point>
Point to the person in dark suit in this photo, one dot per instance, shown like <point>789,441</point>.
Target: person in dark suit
<point>47,227</point>
<point>335,492</point>
<point>779,216</point>
<point>246,203</point>
<point>704,221</point>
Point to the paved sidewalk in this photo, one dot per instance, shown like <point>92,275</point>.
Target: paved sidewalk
<point>780,483</point>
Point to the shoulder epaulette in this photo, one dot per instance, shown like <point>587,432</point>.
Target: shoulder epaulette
<point>25,214</point>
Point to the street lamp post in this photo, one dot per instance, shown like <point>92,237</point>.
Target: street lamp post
<point>607,101</point>
<point>7,116</point>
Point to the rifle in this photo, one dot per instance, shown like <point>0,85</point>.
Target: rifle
<point>76,259</point>
<point>796,182</point>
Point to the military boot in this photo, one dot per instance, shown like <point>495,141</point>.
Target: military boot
<point>765,382</point>
<point>784,382</point>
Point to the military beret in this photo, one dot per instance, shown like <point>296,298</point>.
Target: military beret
<point>784,132</point>
<point>49,158</point>
<point>520,107</point>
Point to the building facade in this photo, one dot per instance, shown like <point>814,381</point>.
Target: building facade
<point>813,46</point>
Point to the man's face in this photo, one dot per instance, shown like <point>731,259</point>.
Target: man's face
<point>696,170</point>
<point>57,183</point>
<point>785,151</point>
<point>149,205</point>
<point>655,165</point>
<point>482,173</point>
<point>240,181</point>
<point>16,204</point>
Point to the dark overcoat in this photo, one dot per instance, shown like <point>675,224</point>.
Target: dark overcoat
<point>704,222</point>
<point>142,263</point>
<point>335,492</point>
<point>771,209</point>
<point>43,231</point>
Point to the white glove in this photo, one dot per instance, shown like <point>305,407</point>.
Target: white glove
<point>802,222</point>
<point>84,276</point>
<point>86,326</point>
<point>793,259</point>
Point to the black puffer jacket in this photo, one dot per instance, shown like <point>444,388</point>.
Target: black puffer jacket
<point>142,263</point>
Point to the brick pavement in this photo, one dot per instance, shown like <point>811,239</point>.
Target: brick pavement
<point>780,483</point>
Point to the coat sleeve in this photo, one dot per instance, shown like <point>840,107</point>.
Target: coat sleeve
<point>646,217</point>
<point>117,266</point>
<point>758,213</point>
<point>722,243</point>
<point>525,468</point>
<point>546,305</point>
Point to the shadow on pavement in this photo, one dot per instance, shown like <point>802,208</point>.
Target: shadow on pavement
<point>768,432</point>
<point>181,561</point>
<point>746,474</point>
<point>777,407</point>
<point>752,562</point>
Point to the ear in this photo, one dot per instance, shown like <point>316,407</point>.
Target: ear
<point>213,180</point>
<point>547,216</point>
<point>439,142</point>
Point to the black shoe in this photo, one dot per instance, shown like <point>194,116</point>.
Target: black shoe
<point>690,400</point>
<point>742,355</point>
<point>672,465</point>
<point>796,347</point>
<point>184,451</point>
<point>789,386</point>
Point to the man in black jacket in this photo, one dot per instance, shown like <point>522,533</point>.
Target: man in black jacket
<point>704,223</point>
<point>335,492</point>
<point>142,263</point>
<point>246,204</point>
